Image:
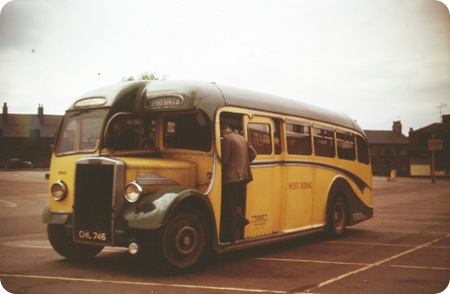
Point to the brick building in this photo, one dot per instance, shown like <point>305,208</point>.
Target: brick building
<point>389,151</point>
<point>420,156</point>
<point>27,136</point>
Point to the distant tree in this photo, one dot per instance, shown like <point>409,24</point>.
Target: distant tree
<point>146,76</point>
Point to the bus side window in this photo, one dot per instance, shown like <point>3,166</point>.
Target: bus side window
<point>346,145</point>
<point>324,142</point>
<point>298,139</point>
<point>260,138</point>
<point>363,152</point>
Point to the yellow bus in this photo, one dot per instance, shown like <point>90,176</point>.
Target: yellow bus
<point>138,165</point>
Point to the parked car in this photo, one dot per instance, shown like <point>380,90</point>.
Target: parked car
<point>18,163</point>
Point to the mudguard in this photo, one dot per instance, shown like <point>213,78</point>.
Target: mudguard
<point>153,211</point>
<point>54,218</point>
<point>357,210</point>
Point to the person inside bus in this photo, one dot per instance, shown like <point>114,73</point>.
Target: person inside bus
<point>237,154</point>
<point>123,137</point>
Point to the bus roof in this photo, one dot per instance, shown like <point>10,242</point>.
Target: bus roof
<point>147,96</point>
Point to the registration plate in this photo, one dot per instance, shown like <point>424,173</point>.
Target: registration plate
<point>92,236</point>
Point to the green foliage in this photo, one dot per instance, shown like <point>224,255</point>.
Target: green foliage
<point>146,76</point>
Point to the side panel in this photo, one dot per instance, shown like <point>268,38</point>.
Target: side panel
<point>299,196</point>
<point>323,178</point>
<point>264,201</point>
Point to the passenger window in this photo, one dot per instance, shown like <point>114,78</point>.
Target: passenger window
<point>187,131</point>
<point>123,133</point>
<point>324,142</point>
<point>128,132</point>
<point>363,152</point>
<point>298,139</point>
<point>234,120</point>
<point>346,145</point>
<point>259,136</point>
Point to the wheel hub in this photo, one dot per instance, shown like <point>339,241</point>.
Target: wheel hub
<point>186,240</point>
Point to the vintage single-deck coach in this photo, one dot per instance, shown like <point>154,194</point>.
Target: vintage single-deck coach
<point>138,165</point>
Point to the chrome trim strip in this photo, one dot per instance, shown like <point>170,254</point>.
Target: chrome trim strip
<point>154,179</point>
<point>264,240</point>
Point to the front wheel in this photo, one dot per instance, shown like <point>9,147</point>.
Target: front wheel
<point>337,217</point>
<point>182,243</point>
<point>64,245</point>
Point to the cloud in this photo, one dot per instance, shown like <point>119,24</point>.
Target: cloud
<point>368,59</point>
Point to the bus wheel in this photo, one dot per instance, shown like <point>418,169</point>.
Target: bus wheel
<point>337,217</point>
<point>182,242</point>
<point>66,247</point>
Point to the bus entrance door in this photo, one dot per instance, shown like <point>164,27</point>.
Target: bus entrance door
<point>263,203</point>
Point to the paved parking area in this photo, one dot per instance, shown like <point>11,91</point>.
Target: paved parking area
<point>405,248</point>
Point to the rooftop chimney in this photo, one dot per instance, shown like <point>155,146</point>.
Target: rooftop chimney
<point>397,127</point>
<point>446,119</point>
<point>41,113</point>
<point>5,112</point>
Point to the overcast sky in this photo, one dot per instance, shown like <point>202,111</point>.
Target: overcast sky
<point>377,61</point>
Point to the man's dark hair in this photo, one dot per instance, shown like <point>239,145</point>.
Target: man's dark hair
<point>224,125</point>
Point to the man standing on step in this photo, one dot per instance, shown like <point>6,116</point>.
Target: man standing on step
<point>237,154</point>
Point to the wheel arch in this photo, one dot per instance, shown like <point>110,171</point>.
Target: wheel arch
<point>341,187</point>
<point>154,211</point>
<point>200,204</point>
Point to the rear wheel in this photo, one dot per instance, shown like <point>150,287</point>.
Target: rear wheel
<point>337,217</point>
<point>181,244</point>
<point>64,245</point>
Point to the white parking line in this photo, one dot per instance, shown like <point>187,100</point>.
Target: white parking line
<point>364,266</point>
<point>385,244</point>
<point>351,263</point>
<point>390,230</point>
<point>7,203</point>
<point>375,264</point>
<point>309,261</point>
<point>115,249</point>
<point>111,249</point>
<point>144,284</point>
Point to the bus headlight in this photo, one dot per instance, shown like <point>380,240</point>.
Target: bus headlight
<point>133,192</point>
<point>59,190</point>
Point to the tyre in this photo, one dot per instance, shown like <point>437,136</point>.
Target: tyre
<point>66,247</point>
<point>181,243</point>
<point>337,217</point>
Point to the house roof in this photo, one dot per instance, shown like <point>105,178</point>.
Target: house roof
<point>19,125</point>
<point>385,137</point>
<point>434,128</point>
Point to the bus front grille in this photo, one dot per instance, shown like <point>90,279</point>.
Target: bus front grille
<point>94,185</point>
